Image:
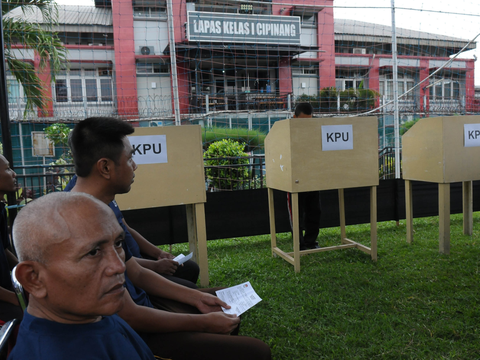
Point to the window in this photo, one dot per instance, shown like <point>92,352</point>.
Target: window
<point>149,68</point>
<point>149,12</point>
<point>84,85</point>
<point>444,89</point>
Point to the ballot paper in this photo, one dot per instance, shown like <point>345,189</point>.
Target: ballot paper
<point>240,297</point>
<point>182,258</point>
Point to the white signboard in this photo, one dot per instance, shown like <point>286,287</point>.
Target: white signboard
<point>42,146</point>
<point>337,137</point>
<point>472,135</point>
<point>151,149</point>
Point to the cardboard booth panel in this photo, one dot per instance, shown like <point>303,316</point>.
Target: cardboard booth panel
<point>442,150</point>
<point>320,154</point>
<point>176,178</point>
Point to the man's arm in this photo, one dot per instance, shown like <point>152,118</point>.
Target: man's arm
<point>164,263</point>
<point>146,319</point>
<point>12,259</point>
<point>157,285</point>
<point>8,296</point>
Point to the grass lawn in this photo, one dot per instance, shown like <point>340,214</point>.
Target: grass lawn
<point>413,303</point>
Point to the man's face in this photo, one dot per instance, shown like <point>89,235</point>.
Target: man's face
<point>84,274</point>
<point>8,181</point>
<point>125,169</point>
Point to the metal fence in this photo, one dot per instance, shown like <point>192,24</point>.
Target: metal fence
<point>221,174</point>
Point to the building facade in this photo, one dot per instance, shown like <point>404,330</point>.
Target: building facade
<point>234,57</point>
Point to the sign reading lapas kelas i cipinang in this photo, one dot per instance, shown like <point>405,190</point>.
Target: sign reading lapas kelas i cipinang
<point>244,28</point>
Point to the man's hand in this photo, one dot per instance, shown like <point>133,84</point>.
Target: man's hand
<point>209,303</point>
<point>165,266</point>
<point>220,323</point>
<point>164,255</point>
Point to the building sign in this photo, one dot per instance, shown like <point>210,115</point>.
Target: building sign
<point>151,149</point>
<point>337,137</point>
<point>472,135</point>
<point>258,29</point>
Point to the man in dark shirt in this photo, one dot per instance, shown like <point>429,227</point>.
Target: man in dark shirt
<point>9,307</point>
<point>72,264</point>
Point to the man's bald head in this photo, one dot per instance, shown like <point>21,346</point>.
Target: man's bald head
<point>52,219</point>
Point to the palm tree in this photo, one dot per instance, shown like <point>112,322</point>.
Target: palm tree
<point>18,29</point>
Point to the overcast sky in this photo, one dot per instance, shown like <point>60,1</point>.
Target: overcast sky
<point>458,18</point>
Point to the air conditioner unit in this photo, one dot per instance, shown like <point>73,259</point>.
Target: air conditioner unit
<point>147,50</point>
<point>156,123</point>
<point>359,51</point>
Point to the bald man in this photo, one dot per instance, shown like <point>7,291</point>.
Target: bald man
<point>72,263</point>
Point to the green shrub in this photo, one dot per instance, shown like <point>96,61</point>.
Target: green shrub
<point>226,155</point>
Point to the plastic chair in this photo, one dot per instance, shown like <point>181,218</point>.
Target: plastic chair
<point>5,333</point>
<point>22,299</point>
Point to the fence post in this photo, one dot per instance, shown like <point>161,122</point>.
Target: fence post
<point>207,104</point>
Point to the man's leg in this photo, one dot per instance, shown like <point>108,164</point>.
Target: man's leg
<point>312,217</point>
<point>196,345</point>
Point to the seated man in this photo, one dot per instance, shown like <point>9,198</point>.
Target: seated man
<point>156,259</point>
<point>9,307</point>
<point>72,264</point>
<point>195,325</point>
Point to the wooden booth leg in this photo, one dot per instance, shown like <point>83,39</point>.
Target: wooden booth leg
<point>197,238</point>
<point>467,190</point>
<point>444,218</point>
<point>271,211</point>
<point>296,233</point>
<point>341,206</point>
<point>373,222</point>
<point>409,210</point>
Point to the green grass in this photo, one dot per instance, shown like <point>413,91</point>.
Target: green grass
<point>413,303</point>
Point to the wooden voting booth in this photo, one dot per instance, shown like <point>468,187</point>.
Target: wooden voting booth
<point>322,154</point>
<point>442,150</point>
<point>170,172</point>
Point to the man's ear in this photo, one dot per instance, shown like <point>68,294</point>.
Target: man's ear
<point>28,274</point>
<point>104,167</point>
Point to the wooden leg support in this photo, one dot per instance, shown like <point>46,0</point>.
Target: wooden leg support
<point>197,238</point>
<point>444,218</point>
<point>409,210</point>
<point>373,222</point>
<point>467,189</point>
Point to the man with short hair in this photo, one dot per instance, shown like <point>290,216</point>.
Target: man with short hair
<point>105,167</point>
<point>309,207</point>
<point>9,307</point>
<point>72,264</point>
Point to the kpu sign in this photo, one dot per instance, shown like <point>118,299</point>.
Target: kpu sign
<point>471,135</point>
<point>258,29</point>
<point>151,149</point>
<point>337,137</point>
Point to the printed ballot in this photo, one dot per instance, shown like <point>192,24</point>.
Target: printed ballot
<point>240,297</point>
<point>180,259</point>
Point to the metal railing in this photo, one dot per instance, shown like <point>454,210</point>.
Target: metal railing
<point>221,174</point>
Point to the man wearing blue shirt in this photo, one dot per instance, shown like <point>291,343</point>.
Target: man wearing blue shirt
<point>72,264</point>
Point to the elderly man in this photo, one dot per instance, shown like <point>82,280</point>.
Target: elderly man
<point>197,329</point>
<point>72,263</point>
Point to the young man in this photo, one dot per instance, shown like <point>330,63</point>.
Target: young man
<point>308,202</point>
<point>72,264</point>
<point>198,329</point>
<point>9,307</point>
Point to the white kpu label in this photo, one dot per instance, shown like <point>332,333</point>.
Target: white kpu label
<point>337,137</point>
<point>149,149</point>
<point>471,135</point>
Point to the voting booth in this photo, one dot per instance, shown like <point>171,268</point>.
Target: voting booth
<point>170,172</point>
<point>306,154</point>
<point>442,150</point>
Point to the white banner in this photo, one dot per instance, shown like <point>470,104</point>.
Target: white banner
<point>151,149</point>
<point>337,137</point>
